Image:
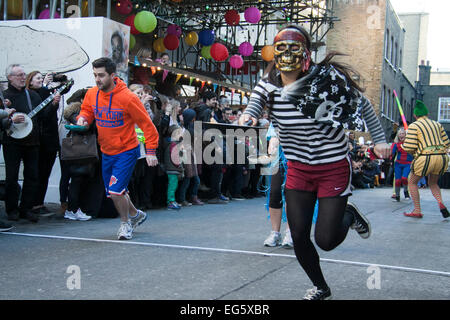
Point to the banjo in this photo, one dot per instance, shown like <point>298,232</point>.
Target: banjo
<point>23,129</point>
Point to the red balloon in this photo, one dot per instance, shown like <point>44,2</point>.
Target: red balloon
<point>171,42</point>
<point>219,52</point>
<point>124,7</point>
<point>232,17</point>
<point>129,21</point>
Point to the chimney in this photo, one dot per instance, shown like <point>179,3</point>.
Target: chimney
<point>424,73</point>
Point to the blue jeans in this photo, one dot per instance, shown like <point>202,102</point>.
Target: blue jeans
<point>184,186</point>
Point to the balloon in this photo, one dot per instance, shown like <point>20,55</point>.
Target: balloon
<point>219,52</point>
<point>232,17</point>
<point>191,38</point>
<point>236,61</point>
<point>132,41</point>
<point>252,15</point>
<point>206,52</point>
<point>124,7</point>
<point>129,21</point>
<point>206,37</point>
<point>158,45</point>
<point>15,8</point>
<point>174,29</point>
<point>145,21</point>
<point>267,53</point>
<point>171,42</point>
<point>45,14</point>
<point>246,49</point>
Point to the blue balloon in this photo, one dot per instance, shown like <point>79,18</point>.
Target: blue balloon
<point>206,37</point>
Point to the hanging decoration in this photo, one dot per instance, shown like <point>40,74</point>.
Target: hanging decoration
<point>45,14</point>
<point>158,45</point>
<point>132,41</point>
<point>267,53</point>
<point>171,42</point>
<point>252,15</point>
<point>15,8</point>
<point>145,21</point>
<point>124,7</point>
<point>236,61</point>
<point>219,52</point>
<point>206,37</point>
<point>191,38</point>
<point>232,17</point>
<point>206,52</point>
<point>175,30</point>
<point>129,21</point>
<point>178,78</point>
<point>245,49</point>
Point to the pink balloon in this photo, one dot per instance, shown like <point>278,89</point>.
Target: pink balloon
<point>236,61</point>
<point>252,15</point>
<point>245,49</point>
<point>174,29</point>
<point>45,14</point>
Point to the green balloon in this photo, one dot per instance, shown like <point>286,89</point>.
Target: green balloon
<point>132,41</point>
<point>145,22</point>
<point>206,52</point>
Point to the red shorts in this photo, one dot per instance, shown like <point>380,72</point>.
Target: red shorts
<point>327,180</point>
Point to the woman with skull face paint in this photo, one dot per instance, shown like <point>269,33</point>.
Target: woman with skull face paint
<point>310,106</point>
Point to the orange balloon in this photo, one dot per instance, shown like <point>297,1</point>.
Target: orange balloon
<point>267,53</point>
<point>158,45</point>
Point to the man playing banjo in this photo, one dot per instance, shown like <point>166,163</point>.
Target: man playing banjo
<point>17,150</point>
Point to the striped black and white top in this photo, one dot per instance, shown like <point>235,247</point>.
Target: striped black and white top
<point>304,139</point>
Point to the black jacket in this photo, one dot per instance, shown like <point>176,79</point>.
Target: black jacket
<point>19,102</point>
<point>49,123</point>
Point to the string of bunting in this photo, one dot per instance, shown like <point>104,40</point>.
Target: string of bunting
<point>193,78</point>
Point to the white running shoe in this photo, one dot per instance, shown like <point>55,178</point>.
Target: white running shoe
<point>273,239</point>
<point>287,240</point>
<point>125,231</point>
<point>81,216</point>
<point>139,219</point>
<point>70,215</point>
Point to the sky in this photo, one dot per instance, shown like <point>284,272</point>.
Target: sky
<point>438,28</point>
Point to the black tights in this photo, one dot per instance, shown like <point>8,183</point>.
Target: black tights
<point>331,229</point>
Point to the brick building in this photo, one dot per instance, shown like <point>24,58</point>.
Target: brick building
<point>372,36</point>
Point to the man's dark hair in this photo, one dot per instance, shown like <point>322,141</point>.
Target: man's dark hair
<point>208,95</point>
<point>109,65</point>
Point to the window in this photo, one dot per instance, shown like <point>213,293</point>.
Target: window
<point>400,63</point>
<point>386,45</point>
<point>391,55</point>
<point>383,100</point>
<point>444,110</point>
<point>395,62</point>
<point>388,107</point>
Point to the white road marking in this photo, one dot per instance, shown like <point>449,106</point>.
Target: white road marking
<point>266,254</point>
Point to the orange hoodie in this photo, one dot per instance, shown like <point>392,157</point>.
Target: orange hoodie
<point>116,114</point>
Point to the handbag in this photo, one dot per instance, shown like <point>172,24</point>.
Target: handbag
<point>79,146</point>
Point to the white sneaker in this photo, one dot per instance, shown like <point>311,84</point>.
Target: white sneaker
<point>82,216</point>
<point>125,231</point>
<point>273,239</point>
<point>287,240</point>
<point>70,215</point>
<point>139,219</point>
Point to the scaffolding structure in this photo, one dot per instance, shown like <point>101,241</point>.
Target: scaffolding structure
<point>196,15</point>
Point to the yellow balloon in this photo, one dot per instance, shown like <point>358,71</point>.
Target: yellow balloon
<point>267,53</point>
<point>191,38</point>
<point>158,45</point>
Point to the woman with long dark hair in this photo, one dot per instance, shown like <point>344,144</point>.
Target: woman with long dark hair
<point>310,106</point>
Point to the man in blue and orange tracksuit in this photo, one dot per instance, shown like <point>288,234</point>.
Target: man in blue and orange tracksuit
<point>116,110</point>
